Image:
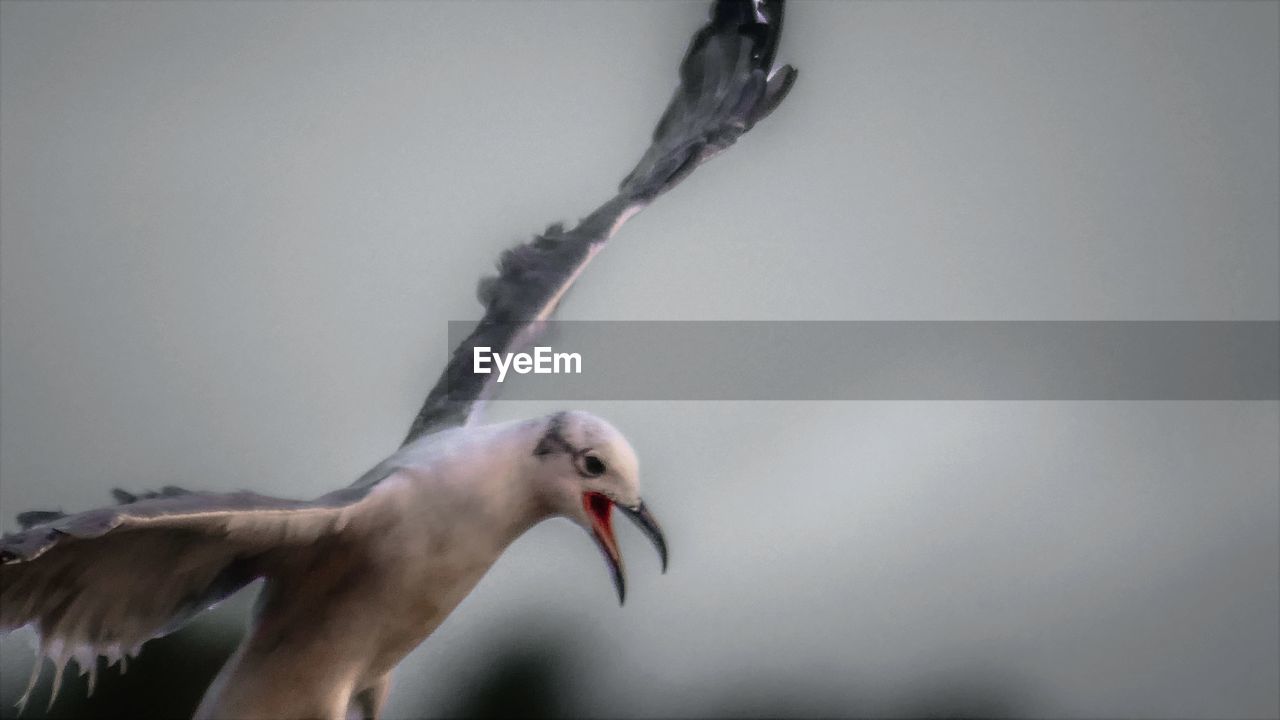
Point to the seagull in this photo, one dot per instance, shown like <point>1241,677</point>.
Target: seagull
<point>355,579</point>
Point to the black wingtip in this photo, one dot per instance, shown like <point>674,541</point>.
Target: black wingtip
<point>760,18</point>
<point>723,92</point>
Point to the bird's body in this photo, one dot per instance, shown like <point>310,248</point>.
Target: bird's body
<point>409,551</point>
<point>355,579</point>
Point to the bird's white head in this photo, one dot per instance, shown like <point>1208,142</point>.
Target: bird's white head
<point>584,469</point>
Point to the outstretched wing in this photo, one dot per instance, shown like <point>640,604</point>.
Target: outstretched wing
<point>103,582</point>
<point>727,84</point>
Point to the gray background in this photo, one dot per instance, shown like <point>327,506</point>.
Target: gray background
<point>232,235</point>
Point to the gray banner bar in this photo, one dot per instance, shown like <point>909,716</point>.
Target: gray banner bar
<point>925,360</point>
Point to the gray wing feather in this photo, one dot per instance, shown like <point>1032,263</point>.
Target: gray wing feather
<point>530,282</point>
<point>727,85</point>
<point>103,582</point>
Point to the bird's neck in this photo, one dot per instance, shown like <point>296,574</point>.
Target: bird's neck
<point>479,479</point>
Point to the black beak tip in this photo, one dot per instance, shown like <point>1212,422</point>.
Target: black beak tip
<point>621,585</point>
<point>644,519</point>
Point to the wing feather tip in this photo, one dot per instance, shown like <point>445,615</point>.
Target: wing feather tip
<point>31,518</point>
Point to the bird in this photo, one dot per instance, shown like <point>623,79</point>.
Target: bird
<point>355,579</point>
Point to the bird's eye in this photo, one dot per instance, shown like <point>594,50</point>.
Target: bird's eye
<point>591,466</point>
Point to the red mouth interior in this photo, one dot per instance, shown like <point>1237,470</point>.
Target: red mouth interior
<point>600,508</point>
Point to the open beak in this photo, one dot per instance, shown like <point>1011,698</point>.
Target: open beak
<point>599,509</point>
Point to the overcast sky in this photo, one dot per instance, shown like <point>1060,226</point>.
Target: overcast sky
<point>232,235</point>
